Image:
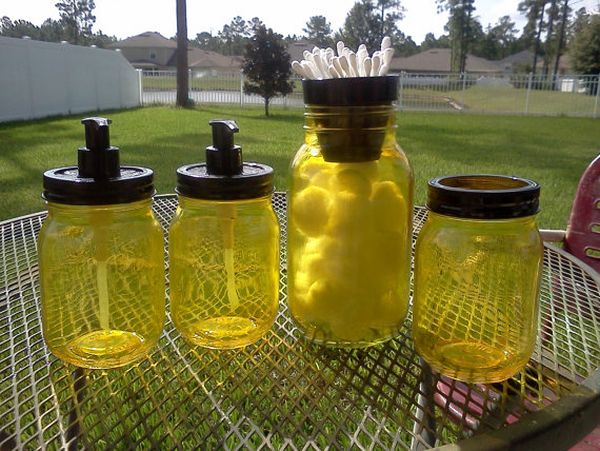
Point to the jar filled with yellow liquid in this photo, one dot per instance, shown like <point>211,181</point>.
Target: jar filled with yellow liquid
<point>350,215</point>
<point>224,247</point>
<point>478,263</point>
<point>101,257</point>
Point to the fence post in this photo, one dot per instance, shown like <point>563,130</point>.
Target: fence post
<point>140,86</point>
<point>595,114</point>
<point>401,93</point>
<point>529,80</point>
<point>464,88</point>
<point>241,89</point>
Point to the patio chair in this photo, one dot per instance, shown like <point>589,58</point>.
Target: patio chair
<point>582,237</point>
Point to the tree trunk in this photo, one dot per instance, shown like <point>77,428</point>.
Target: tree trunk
<point>551,18</point>
<point>561,39</point>
<point>538,37</point>
<point>266,106</point>
<point>182,56</point>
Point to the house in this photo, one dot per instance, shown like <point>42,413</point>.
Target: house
<point>151,50</point>
<point>437,61</point>
<point>517,63</point>
<point>296,49</point>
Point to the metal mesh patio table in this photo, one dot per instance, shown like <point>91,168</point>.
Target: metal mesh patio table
<point>283,391</point>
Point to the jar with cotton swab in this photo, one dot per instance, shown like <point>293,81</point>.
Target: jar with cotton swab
<point>101,256</point>
<point>350,203</point>
<point>224,247</point>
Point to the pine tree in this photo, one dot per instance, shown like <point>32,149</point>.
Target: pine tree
<point>318,31</point>
<point>461,28</point>
<point>78,19</point>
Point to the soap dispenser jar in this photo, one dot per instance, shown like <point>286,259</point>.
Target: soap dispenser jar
<point>101,258</point>
<point>350,215</point>
<point>224,247</point>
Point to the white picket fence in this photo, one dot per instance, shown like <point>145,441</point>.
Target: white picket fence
<point>570,95</point>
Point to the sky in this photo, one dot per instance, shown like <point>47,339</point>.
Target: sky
<point>123,18</point>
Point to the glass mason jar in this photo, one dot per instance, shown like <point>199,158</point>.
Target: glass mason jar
<point>224,270</point>
<point>350,215</point>
<point>478,263</point>
<point>101,257</point>
<point>224,247</point>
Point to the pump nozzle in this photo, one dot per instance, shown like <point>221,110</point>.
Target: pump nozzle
<point>96,133</point>
<point>98,159</point>
<point>223,157</point>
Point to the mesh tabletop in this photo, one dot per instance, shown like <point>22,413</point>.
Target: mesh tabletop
<point>284,392</point>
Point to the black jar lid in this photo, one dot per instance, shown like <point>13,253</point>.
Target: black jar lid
<point>354,91</point>
<point>98,179</point>
<point>224,176</point>
<point>482,196</point>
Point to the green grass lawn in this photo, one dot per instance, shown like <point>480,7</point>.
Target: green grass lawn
<point>502,100</point>
<point>551,150</point>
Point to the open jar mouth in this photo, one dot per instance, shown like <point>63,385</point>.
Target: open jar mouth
<point>483,196</point>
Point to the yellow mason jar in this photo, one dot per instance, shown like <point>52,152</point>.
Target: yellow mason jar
<point>224,248</point>
<point>350,215</point>
<point>478,263</point>
<point>101,257</point>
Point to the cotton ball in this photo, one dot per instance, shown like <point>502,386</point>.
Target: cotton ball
<point>353,181</point>
<point>349,214</point>
<point>313,172</point>
<point>325,299</point>
<point>310,210</point>
<point>388,206</point>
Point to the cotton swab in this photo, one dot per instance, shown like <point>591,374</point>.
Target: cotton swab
<point>375,64</point>
<point>297,67</point>
<point>352,64</point>
<point>323,63</point>
<point>367,66</point>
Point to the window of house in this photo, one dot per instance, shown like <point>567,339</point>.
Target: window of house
<point>152,55</point>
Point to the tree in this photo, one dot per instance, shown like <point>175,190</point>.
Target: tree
<point>431,42</point>
<point>18,28</point>
<point>498,41</point>
<point>318,31</point>
<point>207,41</point>
<point>461,28</point>
<point>564,19</point>
<point>390,12</point>
<point>366,16</point>
<point>405,45</point>
<point>78,19</point>
<point>182,57</point>
<point>550,44</point>
<point>267,66</point>
<point>234,36</point>
<point>585,46</point>
<point>532,32</point>
<point>359,25</point>
<point>50,31</point>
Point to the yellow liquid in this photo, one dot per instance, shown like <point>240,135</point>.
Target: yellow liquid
<point>475,302</point>
<point>349,234</point>
<point>101,313</point>
<point>224,286</point>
